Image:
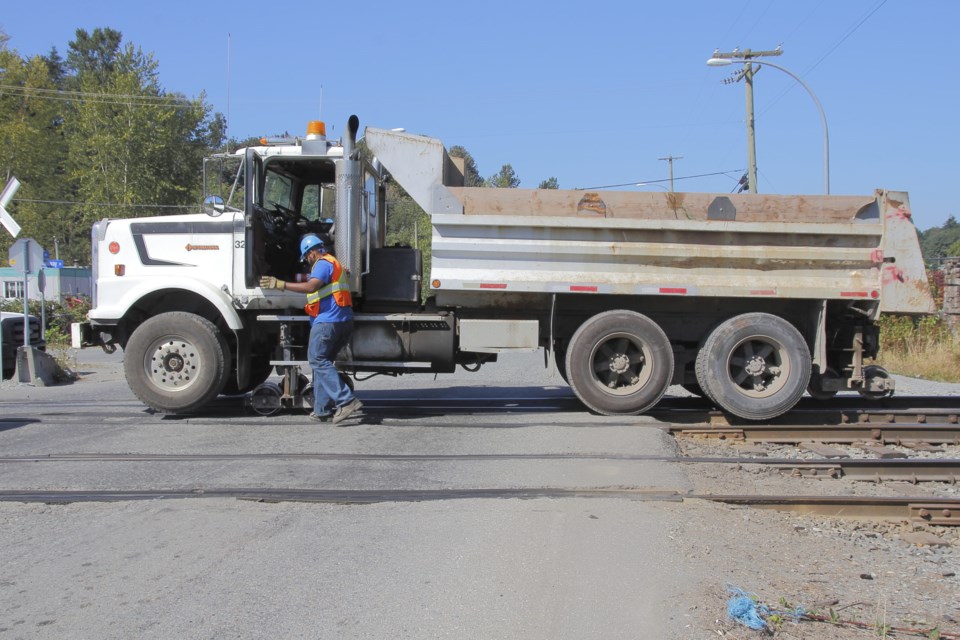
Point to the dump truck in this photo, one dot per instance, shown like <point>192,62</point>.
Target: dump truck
<point>748,300</point>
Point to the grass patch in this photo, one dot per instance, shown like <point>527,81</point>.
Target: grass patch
<point>925,348</point>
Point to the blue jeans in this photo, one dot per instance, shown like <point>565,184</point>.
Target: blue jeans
<point>326,341</point>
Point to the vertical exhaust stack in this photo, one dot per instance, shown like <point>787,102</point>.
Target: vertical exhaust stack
<point>348,242</point>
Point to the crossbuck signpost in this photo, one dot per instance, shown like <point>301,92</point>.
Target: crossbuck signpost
<point>11,225</point>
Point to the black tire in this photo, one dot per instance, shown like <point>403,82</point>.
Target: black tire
<point>619,363</point>
<point>176,362</point>
<point>755,366</point>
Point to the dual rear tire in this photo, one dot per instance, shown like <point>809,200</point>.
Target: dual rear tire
<point>619,363</point>
<point>755,366</point>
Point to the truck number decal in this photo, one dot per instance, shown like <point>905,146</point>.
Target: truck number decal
<point>238,244</point>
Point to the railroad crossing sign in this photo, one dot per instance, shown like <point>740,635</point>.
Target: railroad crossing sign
<point>5,218</point>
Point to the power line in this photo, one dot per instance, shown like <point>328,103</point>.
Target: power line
<point>141,100</point>
<point>109,204</point>
<point>636,182</point>
<point>824,56</point>
<point>87,93</point>
<point>843,39</point>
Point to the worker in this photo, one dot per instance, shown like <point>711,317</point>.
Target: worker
<point>328,301</point>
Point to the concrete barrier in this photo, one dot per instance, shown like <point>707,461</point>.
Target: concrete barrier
<point>36,367</point>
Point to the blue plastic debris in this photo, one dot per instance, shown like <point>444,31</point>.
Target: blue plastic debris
<point>743,608</point>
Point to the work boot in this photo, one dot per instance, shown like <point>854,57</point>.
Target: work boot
<point>345,411</point>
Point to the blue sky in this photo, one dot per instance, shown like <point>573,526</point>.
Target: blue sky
<point>593,93</point>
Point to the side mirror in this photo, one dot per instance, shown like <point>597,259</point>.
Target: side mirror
<point>213,206</point>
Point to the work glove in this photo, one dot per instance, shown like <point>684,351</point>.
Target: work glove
<point>269,282</point>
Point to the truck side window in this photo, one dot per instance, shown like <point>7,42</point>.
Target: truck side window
<point>310,207</point>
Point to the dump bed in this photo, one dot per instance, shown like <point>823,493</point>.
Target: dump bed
<point>671,243</point>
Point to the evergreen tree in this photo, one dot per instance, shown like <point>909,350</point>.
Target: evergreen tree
<point>506,178</point>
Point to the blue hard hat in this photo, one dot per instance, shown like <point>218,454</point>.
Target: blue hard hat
<point>309,241</point>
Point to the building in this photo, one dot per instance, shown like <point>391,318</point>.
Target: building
<point>60,282</point>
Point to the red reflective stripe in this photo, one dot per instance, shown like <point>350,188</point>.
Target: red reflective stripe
<point>673,290</point>
<point>853,294</point>
<point>763,292</point>
<point>583,287</point>
<point>493,285</point>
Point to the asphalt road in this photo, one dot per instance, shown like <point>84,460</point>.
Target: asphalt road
<point>453,567</point>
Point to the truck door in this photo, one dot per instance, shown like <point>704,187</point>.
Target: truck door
<point>253,222</point>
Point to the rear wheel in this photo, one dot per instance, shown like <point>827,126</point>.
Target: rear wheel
<point>755,365</point>
<point>176,362</point>
<point>619,363</point>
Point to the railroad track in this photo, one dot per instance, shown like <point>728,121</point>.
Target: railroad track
<point>915,421</point>
<point>860,469</point>
<point>906,434</point>
<point>920,509</point>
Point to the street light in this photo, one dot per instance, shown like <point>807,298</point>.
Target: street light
<point>723,62</point>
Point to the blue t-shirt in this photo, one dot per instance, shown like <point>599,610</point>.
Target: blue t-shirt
<point>330,311</point>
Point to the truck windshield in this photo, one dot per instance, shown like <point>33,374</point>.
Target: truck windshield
<point>304,187</point>
<point>278,190</point>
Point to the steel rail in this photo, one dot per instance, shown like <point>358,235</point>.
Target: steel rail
<point>919,509</point>
<point>939,511</point>
<point>339,496</point>
<point>842,433</point>
<point>858,469</point>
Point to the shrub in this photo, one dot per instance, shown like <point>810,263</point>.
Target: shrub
<point>59,315</point>
<point>923,347</point>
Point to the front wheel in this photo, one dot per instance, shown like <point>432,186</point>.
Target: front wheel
<point>755,365</point>
<point>619,363</point>
<point>176,362</point>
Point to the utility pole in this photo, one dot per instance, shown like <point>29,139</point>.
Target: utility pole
<point>670,159</point>
<point>747,76</point>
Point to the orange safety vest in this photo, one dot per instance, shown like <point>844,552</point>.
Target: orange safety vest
<point>339,288</point>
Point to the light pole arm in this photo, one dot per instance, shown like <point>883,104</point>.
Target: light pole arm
<point>823,118</point>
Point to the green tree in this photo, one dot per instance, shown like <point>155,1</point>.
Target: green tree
<point>94,54</point>
<point>549,183</point>
<point>409,226</point>
<point>133,148</point>
<point>940,242</point>
<point>31,144</point>
<point>506,178</point>
<point>94,131</point>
